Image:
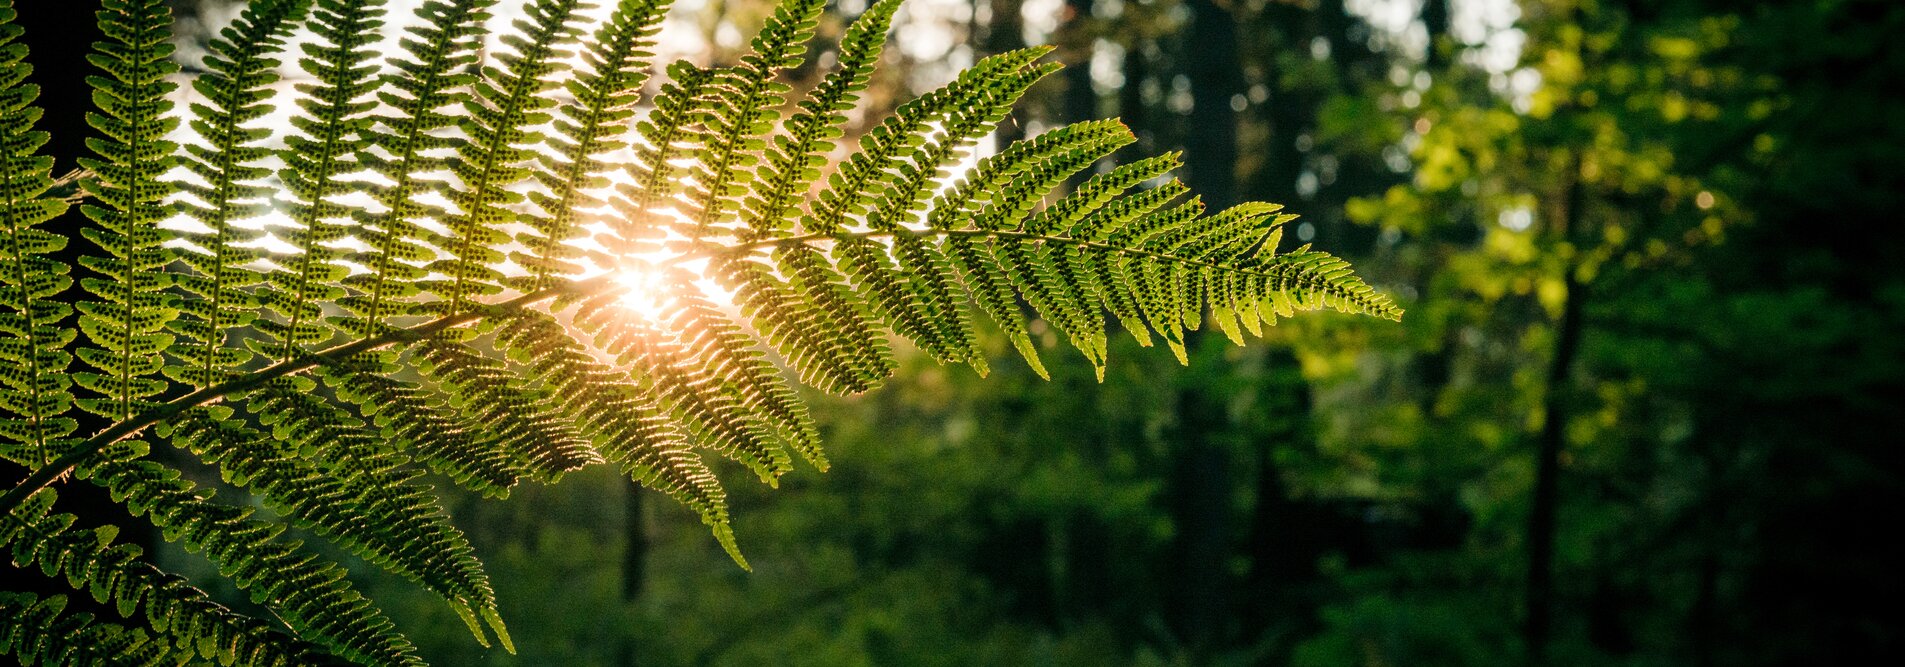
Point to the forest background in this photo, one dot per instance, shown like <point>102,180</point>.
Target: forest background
<point>1645,408</point>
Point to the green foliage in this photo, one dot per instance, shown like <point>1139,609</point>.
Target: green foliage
<point>467,318</point>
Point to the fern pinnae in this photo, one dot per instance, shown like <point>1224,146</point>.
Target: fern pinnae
<point>989,289</point>
<point>490,160</point>
<point>239,75</point>
<point>37,632</point>
<point>742,110</point>
<point>593,125</point>
<point>1027,268</point>
<point>34,388</point>
<point>850,193</point>
<point>330,129</point>
<point>710,337</point>
<point>247,551</point>
<point>508,100</point>
<point>684,386</point>
<point>934,293</point>
<point>794,156</point>
<point>618,410</point>
<point>851,190</point>
<point>510,409</point>
<point>114,575</point>
<point>428,76</point>
<point>126,324</point>
<point>427,80</point>
<point>792,326</point>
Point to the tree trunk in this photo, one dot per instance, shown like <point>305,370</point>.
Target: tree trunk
<point>1553,437</point>
<point>1004,31</point>
<point>1216,76</point>
<point>1202,514</point>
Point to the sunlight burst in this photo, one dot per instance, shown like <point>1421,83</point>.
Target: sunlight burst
<point>646,293</point>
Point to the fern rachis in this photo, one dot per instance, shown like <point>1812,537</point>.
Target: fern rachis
<point>475,264</point>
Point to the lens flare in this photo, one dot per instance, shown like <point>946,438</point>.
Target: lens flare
<point>644,292</point>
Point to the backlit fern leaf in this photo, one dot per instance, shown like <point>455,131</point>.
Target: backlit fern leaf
<point>37,632</point>
<point>126,323</point>
<point>502,270</point>
<point>225,191</point>
<point>35,392</point>
<point>113,575</point>
<point>296,586</point>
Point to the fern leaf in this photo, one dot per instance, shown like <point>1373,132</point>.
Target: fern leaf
<point>523,420</point>
<point>275,573</point>
<point>35,392</point>
<point>687,388</point>
<point>589,128</point>
<point>127,321</point>
<point>37,632</point>
<point>421,421</point>
<point>741,110</point>
<point>426,82</point>
<point>332,126</point>
<point>238,82</point>
<point>359,494</point>
<point>627,425</point>
<point>507,101</point>
<point>791,322</point>
<point>112,574</point>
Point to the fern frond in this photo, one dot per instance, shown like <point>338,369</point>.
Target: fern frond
<point>717,343</point>
<point>420,420</point>
<point>794,158</point>
<point>238,82</point>
<point>669,130</point>
<point>37,632</point>
<point>126,323</point>
<point>741,111</point>
<point>697,393</point>
<point>523,420</point>
<point>331,126</point>
<point>428,80</point>
<point>369,503</point>
<point>114,575</point>
<point>620,413</point>
<point>35,391</point>
<point>530,362</point>
<point>588,129</point>
<point>307,592</point>
<point>507,101</point>
<point>797,317</point>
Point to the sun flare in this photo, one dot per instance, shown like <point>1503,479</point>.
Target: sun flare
<point>645,293</point>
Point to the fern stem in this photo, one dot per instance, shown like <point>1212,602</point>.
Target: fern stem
<point>744,248</point>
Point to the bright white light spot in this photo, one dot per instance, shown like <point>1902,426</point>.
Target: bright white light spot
<point>1704,200</point>
<point>646,295</point>
<point>1517,219</point>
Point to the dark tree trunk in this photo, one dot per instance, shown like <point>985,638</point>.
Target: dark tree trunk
<point>1283,543</point>
<point>1553,436</point>
<point>635,553</point>
<point>1435,19</point>
<point>1213,65</point>
<point>1202,514</point>
<point>1004,32</point>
